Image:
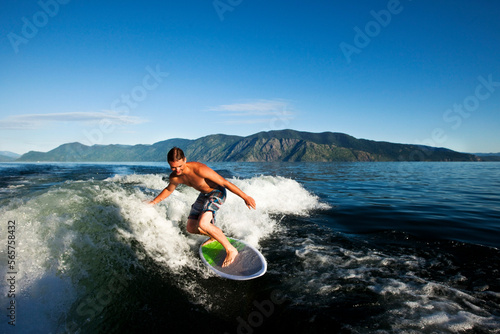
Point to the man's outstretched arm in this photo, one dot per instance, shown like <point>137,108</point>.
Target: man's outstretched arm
<point>249,201</point>
<point>164,194</point>
<point>215,177</point>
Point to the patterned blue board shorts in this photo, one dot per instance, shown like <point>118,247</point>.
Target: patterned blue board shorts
<point>208,202</point>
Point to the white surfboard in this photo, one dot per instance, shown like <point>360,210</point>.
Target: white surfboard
<point>249,263</point>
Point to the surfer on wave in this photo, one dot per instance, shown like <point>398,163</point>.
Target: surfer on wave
<point>212,188</point>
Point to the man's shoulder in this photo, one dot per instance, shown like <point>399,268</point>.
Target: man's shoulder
<point>198,166</point>
<point>195,164</point>
<point>174,178</point>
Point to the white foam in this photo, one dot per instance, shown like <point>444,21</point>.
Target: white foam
<point>15,186</point>
<point>150,181</point>
<point>414,303</point>
<point>273,195</point>
<point>43,292</point>
<point>160,228</point>
<point>161,237</point>
<point>65,236</point>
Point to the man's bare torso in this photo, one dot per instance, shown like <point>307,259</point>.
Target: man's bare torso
<point>191,177</point>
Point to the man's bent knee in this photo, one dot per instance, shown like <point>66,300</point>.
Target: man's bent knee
<point>205,220</point>
<point>192,227</point>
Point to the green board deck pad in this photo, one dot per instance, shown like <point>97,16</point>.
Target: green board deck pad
<point>249,263</point>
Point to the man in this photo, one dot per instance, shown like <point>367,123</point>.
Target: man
<point>212,188</point>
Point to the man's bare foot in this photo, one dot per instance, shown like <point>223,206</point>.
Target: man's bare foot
<point>208,241</point>
<point>230,256</point>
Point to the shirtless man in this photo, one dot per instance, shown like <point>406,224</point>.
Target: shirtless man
<point>212,188</point>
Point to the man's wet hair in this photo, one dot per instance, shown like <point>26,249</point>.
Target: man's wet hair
<point>175,154</point>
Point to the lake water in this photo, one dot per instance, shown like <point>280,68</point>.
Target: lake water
<point>351,248</point>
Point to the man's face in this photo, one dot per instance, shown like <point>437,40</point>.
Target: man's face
<point>177,166</point>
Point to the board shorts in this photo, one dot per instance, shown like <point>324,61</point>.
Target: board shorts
<point>208,202</point>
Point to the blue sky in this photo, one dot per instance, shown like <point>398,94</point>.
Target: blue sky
<point>124,72</point>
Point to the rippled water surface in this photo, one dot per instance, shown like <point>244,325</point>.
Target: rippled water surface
<point>351,248</point>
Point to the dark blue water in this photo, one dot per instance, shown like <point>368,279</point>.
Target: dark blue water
<point>351,248</point>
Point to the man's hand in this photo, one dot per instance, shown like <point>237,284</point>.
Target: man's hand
<point>250,202</point>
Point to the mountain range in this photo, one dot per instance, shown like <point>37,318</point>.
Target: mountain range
<point>489,156</point>
<point>6,156</point>
<point>282,145</point>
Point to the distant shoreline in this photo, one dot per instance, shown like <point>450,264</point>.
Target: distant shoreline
<point>271,146</point>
